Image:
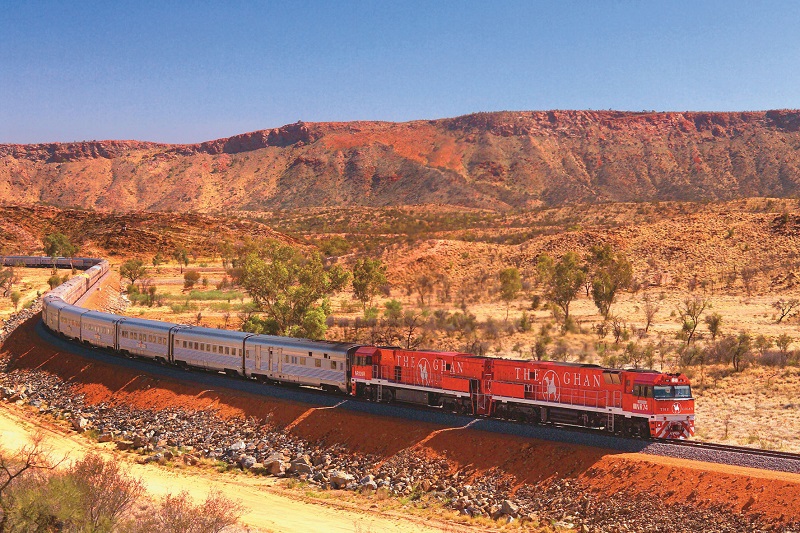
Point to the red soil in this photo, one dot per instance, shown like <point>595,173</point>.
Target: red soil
<point>770,494</point>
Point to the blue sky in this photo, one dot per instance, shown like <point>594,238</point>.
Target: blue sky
<point>191,71</point>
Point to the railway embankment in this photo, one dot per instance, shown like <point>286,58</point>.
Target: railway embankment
<point>163,420</point>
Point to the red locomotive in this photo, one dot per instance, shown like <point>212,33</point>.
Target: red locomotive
<point>641,403</point>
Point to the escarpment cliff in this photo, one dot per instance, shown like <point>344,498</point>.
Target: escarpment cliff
<point>495,160</point>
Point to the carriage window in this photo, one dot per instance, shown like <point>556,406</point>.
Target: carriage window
<point>227,351</point>
<point>326,356</point>
<point>184,344</point>
<point>310,354</point>
<point>317,363</point>
<point>195,346</point>
<point>333,365</point>
<point>286,359</point>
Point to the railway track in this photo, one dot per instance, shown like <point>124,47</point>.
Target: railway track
<point>714,446</point>
<point>712,452</point>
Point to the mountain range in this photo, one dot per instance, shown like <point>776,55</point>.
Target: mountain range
<point>501,160</point>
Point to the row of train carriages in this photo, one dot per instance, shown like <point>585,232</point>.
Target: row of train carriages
<point>641,403</point>
<point>264,357</point>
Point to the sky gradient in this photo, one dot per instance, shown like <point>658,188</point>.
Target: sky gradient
<point>189,72</point>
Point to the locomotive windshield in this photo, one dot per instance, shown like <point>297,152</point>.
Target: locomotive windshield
<point>668,392</point>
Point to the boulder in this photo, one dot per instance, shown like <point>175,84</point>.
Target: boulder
<point>247,461</point>
<point>510,508</point>
<point>340,480</point>
<point>299,466</point>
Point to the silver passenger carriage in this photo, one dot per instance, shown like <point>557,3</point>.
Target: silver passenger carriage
<point>145,338</point>
<point>306,362</point>
<point>69,321</point>
<point>51,307</point>
<point>99,329</point>
<point>212,349</point>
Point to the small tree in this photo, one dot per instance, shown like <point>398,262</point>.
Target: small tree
<point>510,285</point>
<point>425,285</point>
<point>15,297</point>
<point>740,348</point>
<point>133,269</point>
<point>58,245</point>
<point>783,342</point>
<point>650,307</point>
<point>714,322</point>
<point>394,311</point>
<point>181,256</point>
<point>368,277</point>
<point>562,280</point>
<point>690,312</point>
<point>786,308</point>
<point>8,278</point>
<point>762,343</point>
<point>14,468</point>
<point>612,273</point>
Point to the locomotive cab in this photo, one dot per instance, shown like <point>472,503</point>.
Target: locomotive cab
<point>668,402</point>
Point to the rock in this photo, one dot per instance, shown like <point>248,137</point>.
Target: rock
<point>301,465</point>
<point>274,464</point>
<point>79,424</point>
<point>237,446</point>
<point>510,508</point>
<point>105,437</point>
<point>190,459</point>
<point>339,480</point>
<point>124,445</point>
<point>247,461</point>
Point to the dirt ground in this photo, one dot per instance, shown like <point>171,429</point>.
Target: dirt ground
<point>268,506</point>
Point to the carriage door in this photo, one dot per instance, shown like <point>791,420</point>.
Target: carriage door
<point>258,357</point>
<point>270,367</point>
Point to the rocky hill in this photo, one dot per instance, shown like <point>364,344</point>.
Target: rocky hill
<point>495,160</point>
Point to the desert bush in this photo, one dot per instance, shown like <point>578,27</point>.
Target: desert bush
<point>491,330</point>
<point>190,277</point>
<point>524,323</point>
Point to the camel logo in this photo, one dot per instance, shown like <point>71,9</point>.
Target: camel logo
<point>552,386</point>
<point>676,407</point>
<point>424,372</point>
